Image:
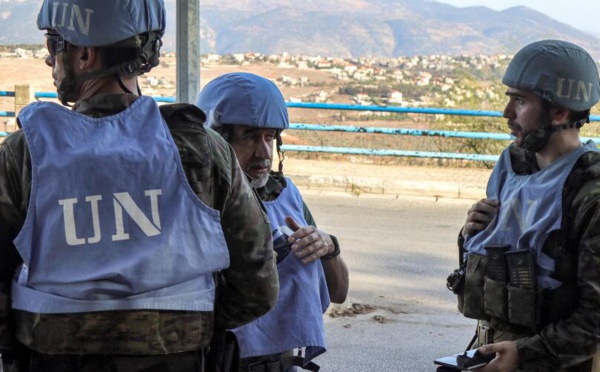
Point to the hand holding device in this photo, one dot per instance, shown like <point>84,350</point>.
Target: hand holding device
<point>280,242</point>
<point>469,360</point>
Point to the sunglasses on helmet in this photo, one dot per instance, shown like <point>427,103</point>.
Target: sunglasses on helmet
<point>55,44</point>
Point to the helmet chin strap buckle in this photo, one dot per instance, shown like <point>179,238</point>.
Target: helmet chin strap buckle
<point>538,139</point>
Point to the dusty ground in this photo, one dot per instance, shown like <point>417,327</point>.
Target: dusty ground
<point>399,315</point>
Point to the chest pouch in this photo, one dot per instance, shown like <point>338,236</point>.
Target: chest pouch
<point>472,304</point>
<point>495,293</point>
<point>522,294</point>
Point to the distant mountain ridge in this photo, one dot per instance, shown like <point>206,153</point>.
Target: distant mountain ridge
<point>341,28</point>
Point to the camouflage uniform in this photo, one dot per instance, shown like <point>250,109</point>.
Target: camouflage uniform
<point>247,289</point>
<point>566,344</point>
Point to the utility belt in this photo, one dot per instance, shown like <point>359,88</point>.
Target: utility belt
<point>486,334</point>
<point>190,361</point>
<point>278,363</point>
<point>501,288</point>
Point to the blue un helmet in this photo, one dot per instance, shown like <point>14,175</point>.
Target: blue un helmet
<point>241,98</point>
<point>563,74</point>
<point>131,24</point>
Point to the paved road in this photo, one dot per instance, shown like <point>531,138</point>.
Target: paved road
<point>399,251</point>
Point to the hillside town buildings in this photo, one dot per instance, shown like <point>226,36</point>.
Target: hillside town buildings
<point>440,80</point>
<point>436,74</point>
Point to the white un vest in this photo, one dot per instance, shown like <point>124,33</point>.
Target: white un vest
<point>112,223</point>
<point>297,319</point>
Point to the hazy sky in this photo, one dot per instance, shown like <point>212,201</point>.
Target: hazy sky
<point>581,14</point>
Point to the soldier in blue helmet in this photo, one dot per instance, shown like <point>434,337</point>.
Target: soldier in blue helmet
<point>530,251</point>
<point>249,111</point>
<point>116,215</point>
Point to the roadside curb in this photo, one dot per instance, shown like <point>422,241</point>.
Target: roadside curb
<point>374,185</point>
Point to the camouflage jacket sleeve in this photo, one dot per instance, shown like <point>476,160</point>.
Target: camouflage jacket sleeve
<point>573,340</point>
<point>12,214</point>
<point>250,286</point>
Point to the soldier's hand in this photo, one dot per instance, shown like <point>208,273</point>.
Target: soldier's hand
<point>506,360</point>
<point>308,243</point>
<point>479,216</point>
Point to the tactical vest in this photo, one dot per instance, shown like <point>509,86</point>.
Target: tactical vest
<point>112,223</point>
<point>297,319</point>
<point>496,287</point>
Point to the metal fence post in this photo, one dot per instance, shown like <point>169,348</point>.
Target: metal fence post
<point>24,95</point>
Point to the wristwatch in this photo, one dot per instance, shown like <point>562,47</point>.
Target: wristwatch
<point>336,249</point>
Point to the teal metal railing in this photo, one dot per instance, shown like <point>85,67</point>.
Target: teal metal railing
<point>360,129</point>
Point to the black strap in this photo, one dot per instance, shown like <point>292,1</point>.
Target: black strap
<point>283,364</point>
<point>470,346</point>
<point>299,361</point>
<point>175,362</point>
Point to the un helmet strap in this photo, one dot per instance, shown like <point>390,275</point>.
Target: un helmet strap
<point>538,139</point>
<point>66,87</point>
<point>573,124</point>
<point>122,85</point>
<point>280,153</point>
<point>280,156</point>
<point>147,58</point>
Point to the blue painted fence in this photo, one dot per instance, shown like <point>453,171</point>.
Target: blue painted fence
<point>6,113</point>
<point>399,131</point>
<point>357,129</point>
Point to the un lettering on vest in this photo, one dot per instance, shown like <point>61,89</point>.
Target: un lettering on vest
<point>523,216</point>
<point>122,202</point>
<point>566,89</point>
<point>65,15</point>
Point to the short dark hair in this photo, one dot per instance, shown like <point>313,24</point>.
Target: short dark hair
<point>574,116</point>
<point>579,115</point>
